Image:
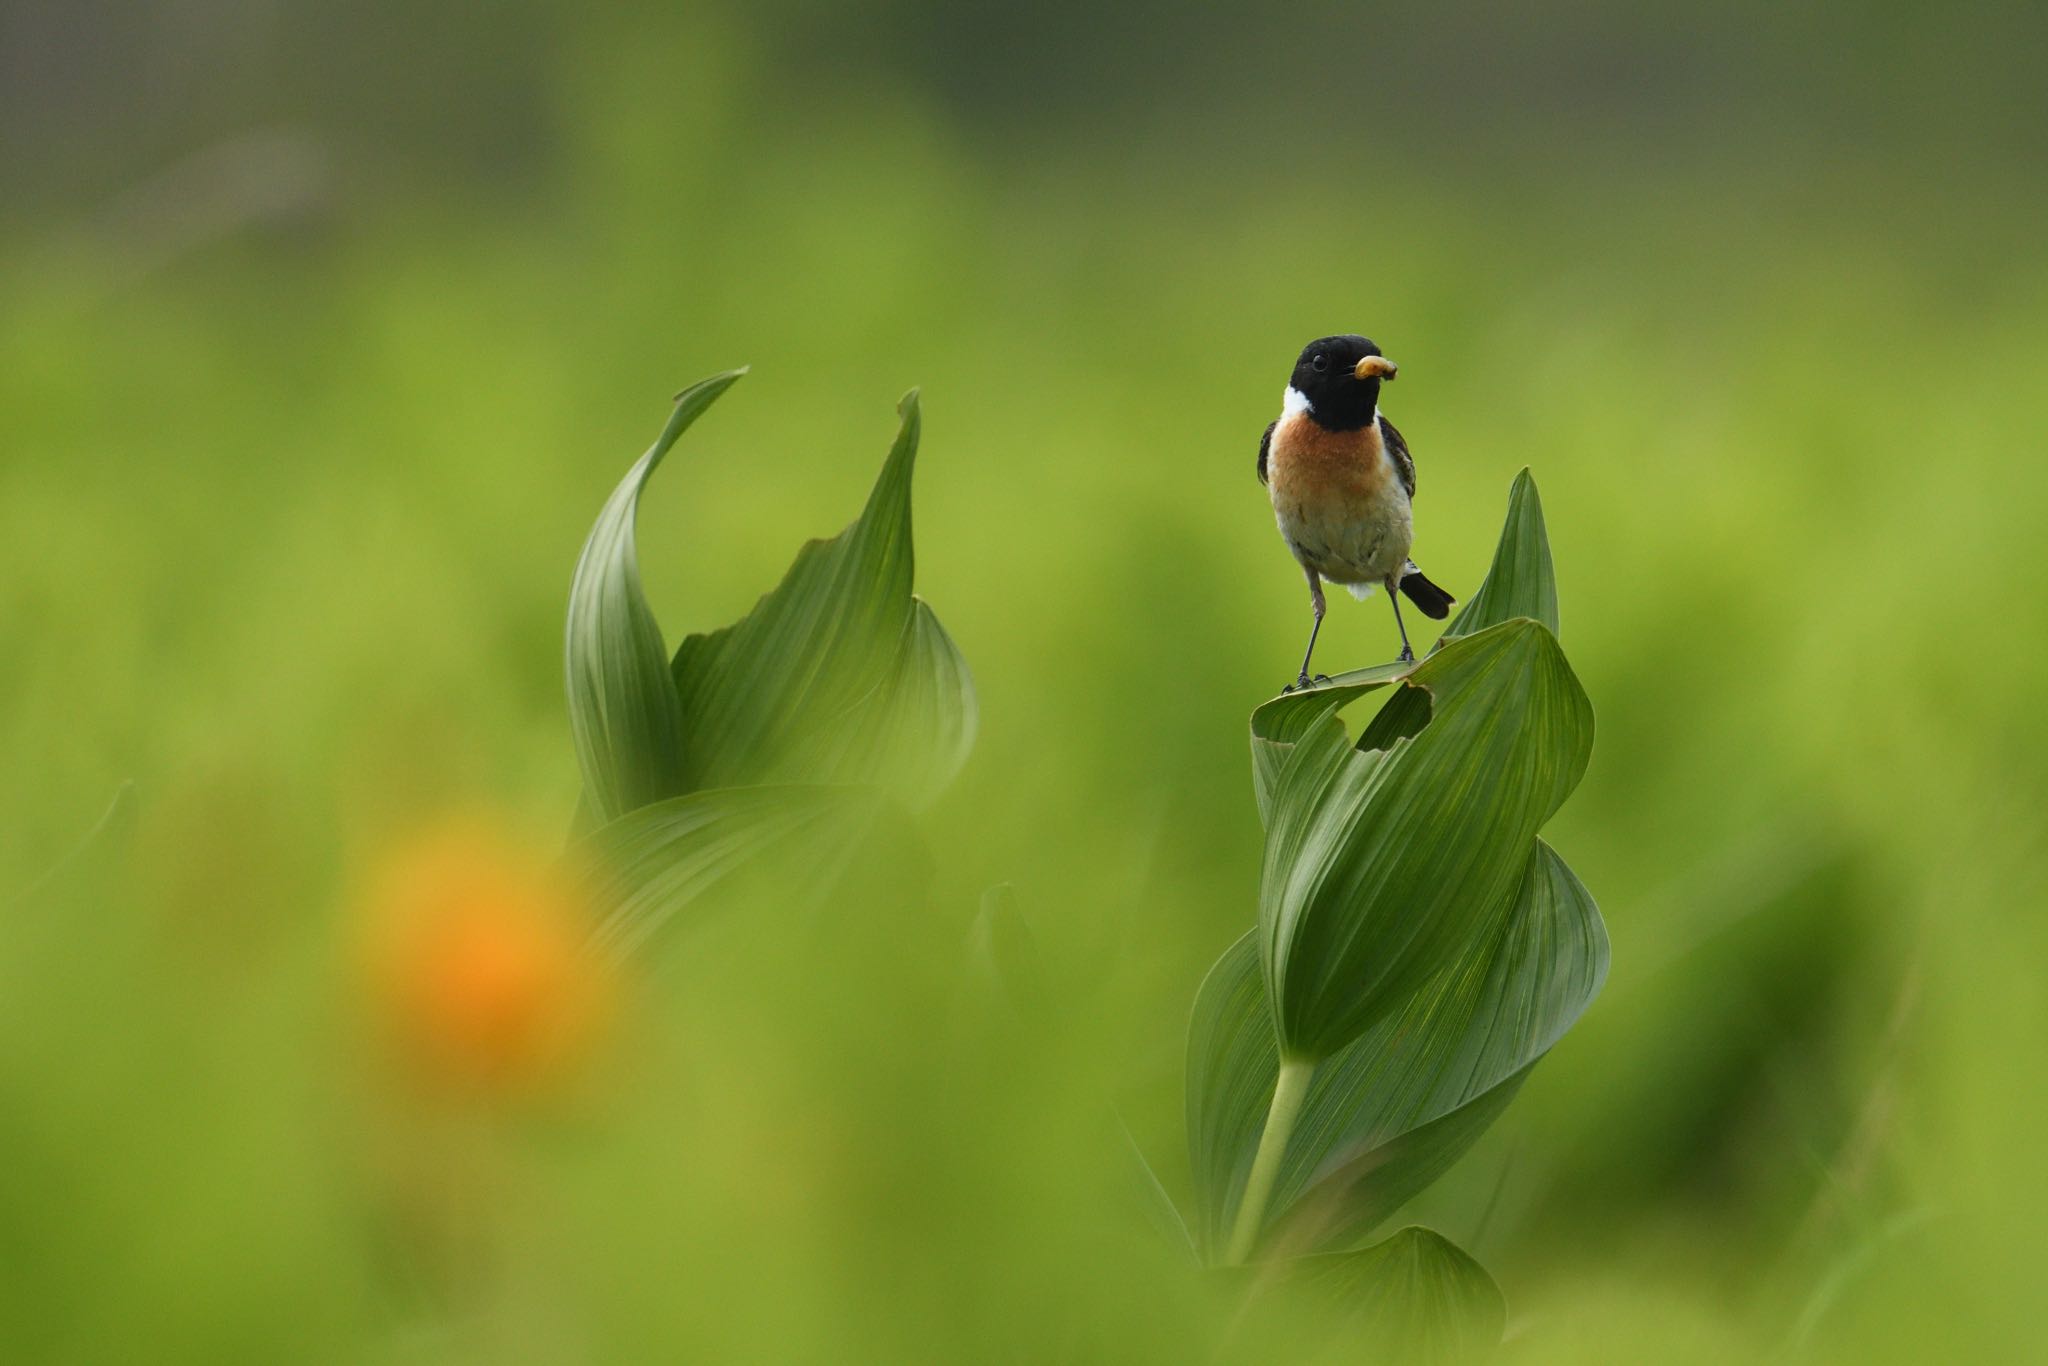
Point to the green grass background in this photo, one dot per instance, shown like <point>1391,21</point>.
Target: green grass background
<point>324,333</point>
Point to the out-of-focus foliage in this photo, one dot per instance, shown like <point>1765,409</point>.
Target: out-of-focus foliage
<point>324,331</point>
<point>1414,1295</point>
<point>839,675</point>
<point>623,708</point>
<point>774,743</point>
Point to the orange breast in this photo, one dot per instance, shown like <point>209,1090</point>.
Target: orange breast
<point>1307,462</point>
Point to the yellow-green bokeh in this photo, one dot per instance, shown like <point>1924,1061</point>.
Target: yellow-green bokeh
<point>325,331</point>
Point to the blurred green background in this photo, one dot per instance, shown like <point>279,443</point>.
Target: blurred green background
<point>326,328</point>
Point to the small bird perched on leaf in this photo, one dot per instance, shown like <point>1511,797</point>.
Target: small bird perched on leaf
<point>1342,480</point>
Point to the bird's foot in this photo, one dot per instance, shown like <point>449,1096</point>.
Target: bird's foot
<point>1304,683</point>
<point>1407,656</point>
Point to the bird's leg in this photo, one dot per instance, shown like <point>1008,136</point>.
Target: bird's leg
<point>1394,596</point>
<point>1315,602</point>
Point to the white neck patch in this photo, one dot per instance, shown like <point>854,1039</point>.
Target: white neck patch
<point>1294,401</point>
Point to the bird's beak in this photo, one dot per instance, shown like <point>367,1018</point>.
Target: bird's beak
<point>1375,367</point>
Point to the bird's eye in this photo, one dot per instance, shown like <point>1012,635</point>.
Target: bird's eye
<point>1319,363</point>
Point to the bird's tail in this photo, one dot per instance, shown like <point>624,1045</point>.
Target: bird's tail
<point>1433,601</point>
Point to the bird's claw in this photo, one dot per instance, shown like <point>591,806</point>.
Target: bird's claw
<point>1407,656</point>
<point>1303,683</point>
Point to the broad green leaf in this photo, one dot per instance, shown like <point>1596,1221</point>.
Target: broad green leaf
<point>1401,717</point>
<point>1416,1297</point>
<point>1232,1066</point>
<point>839,674</point>
<point>1383,866</point>
<point>1520,582</point>
<point>916,728</point>
<point>1279,723</point>
<point>1393,1110</point>
<point>623,710</point>
<point>1389,1114</point>
<point>669,859</point>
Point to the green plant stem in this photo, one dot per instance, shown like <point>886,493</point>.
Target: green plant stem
<point>1288,1094</point>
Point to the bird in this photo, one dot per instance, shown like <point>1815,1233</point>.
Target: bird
<point>1342,485</point>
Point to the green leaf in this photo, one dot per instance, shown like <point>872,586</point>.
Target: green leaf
<point>1152,1199</point>
<point>915,729</point>
<point>1415,1297</point>
<point>1383,866</point>
<point>1278,724</point>
<point>839,674</point>
<point>623,710</point>
<point>673,860</point>
<point>1232,1066</point>
<point>1392,1111</point>
<point>1520,582</point>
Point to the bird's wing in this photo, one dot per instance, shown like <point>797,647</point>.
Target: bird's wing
<point>1266,445</point>
<point>1398,449</point>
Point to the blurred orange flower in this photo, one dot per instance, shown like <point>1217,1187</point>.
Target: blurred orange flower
<point>483,982</point>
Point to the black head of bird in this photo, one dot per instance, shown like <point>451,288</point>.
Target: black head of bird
<point>1340,379</point>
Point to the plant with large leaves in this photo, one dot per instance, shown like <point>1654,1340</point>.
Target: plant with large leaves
<point>1417,950</point>
<point>782,741</point>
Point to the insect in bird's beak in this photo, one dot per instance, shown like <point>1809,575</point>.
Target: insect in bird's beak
<point>1375,367</point>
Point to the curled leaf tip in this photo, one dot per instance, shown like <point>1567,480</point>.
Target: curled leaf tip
<point>722,377</point>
